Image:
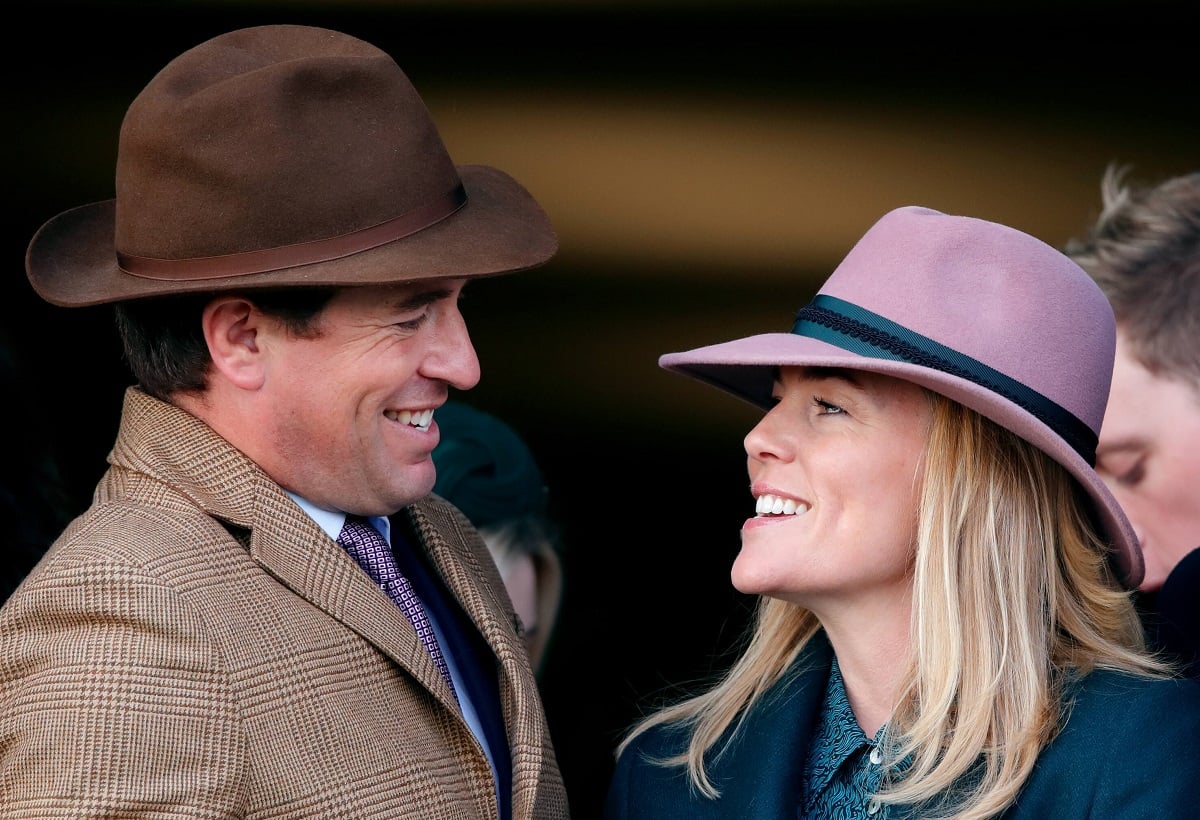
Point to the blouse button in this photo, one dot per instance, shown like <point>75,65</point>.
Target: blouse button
<point>876,755</point>
<point>873,807</point>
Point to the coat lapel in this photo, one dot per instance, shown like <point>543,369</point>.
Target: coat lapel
<point>471,574</point>
<point>219,479</point>
<point>171,454</point>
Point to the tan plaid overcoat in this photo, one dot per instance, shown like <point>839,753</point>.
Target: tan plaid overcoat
<point>195,646</point>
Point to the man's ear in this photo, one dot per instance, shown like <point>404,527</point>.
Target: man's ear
<point>231,329</point>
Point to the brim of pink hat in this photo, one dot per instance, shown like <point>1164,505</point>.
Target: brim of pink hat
<point>746,368</point>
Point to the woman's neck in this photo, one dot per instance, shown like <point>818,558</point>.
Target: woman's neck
<point>872,645</point>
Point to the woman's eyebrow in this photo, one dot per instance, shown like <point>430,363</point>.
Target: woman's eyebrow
<point>844,375</point>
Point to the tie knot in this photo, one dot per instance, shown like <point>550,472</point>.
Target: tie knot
<point>369,548</point>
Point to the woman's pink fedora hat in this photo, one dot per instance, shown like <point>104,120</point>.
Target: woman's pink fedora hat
<point>979,312</point>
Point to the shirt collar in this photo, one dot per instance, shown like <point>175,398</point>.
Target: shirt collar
<point>331,521</point>
<point>837,736</point>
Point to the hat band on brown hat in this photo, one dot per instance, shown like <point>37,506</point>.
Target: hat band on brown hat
<point>304,253</point>
<point>850,327</point>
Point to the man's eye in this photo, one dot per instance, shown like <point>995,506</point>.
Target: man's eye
<point>1128,472</point>
<point>411,324</point>
<point>1132,476</point>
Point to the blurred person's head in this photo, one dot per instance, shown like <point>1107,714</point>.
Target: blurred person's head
<point>487,470</point>
<point>1144,252</point>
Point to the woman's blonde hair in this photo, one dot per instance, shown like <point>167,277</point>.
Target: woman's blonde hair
<point>1013,595</point>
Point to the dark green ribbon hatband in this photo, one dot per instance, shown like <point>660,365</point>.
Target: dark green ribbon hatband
<point>860,331</point>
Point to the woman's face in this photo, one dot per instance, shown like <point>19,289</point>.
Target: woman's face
<point>835,469</point>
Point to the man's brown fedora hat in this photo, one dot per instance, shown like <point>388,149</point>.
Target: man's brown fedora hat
<point>284,155</point>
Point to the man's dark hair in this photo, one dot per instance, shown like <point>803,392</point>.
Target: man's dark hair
<point>164,341</point>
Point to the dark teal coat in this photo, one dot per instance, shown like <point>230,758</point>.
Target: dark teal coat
<point>1130,750</point>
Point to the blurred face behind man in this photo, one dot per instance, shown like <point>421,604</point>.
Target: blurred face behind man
<point>1149,455</point>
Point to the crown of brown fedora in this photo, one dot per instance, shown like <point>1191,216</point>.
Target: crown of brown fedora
<point>284,155</point>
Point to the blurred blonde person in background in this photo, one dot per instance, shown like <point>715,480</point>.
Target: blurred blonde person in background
<point>488,471</point>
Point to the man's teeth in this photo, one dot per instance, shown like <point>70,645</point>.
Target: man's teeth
<point>777,505</point>
<point>421,419</point>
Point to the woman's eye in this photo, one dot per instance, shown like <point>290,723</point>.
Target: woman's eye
<point>826,408</point>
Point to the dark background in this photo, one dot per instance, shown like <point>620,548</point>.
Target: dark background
<point>706,165</point>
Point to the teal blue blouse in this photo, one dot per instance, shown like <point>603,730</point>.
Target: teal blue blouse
<point>844,768</point>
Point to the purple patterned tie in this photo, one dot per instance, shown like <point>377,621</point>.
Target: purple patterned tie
<point>374,555</point>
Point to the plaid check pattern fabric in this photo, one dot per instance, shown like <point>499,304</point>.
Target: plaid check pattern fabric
<point>368,547</point>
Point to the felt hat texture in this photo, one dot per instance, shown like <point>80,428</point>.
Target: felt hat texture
<point>985,314</point>
<point>284,155</point>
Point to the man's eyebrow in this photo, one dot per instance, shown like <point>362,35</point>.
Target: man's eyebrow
<point>419,299</point>
<point>1124,444</point>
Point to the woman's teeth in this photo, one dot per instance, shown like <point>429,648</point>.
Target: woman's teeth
<point>768,504</point>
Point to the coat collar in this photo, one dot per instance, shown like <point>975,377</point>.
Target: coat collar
<point>160,443</point>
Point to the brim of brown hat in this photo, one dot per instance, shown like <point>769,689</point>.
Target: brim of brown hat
<point>71,260</point>
<point>745,368</point>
